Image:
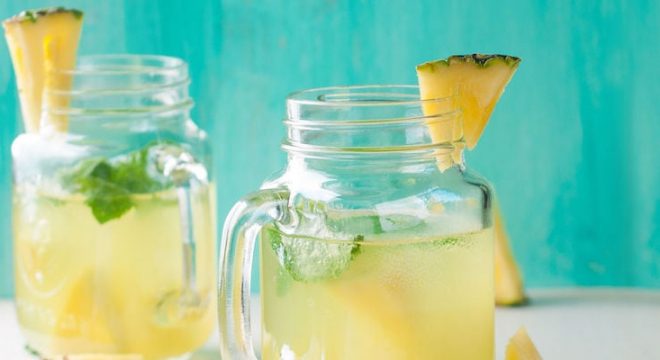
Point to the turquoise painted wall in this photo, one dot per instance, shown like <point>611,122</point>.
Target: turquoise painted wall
<point>572,148</point>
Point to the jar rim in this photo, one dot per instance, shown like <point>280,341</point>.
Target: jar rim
<point>371,119</point>
<point>117,64</point>
<point>119,85</point>
<point>338,96</point>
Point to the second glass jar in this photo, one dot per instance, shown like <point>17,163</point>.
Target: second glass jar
<point>114,228</point>
<point>375,240</point>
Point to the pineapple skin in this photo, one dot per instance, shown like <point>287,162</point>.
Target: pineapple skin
<point>482,60</point>
<point>34,15</point>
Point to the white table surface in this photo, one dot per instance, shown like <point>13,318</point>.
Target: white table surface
<point>565,324</point>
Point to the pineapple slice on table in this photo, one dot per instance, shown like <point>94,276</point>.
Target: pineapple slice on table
<point>509,288</point>
<point>41,41</point>
<point>521,347</point>
<point>478,81</point>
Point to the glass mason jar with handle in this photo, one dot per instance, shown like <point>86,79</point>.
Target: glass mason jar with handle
<point>114,228</point>
<point>375,241</point>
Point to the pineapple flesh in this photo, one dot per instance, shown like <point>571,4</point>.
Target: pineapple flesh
<point>477,81</point>
<point>521,347</point>
<point>42,44</point>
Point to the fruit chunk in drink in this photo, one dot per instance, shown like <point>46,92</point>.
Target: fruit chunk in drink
<point>428,298</point>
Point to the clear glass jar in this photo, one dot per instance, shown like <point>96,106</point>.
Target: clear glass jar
<point>375,241</point>
<point>114,224</point>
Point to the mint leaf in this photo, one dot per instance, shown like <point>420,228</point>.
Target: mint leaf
<point>357,246</point>
<point>108,202</point>
<point>131,173</point>
<point>308,259</point>
<point>108,184</point>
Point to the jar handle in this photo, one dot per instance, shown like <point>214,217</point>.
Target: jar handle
<point>179,167</point>
<point>240,232</point>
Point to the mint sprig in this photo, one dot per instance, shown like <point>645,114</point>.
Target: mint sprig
<point>106,198</point>
<point>108,184</point>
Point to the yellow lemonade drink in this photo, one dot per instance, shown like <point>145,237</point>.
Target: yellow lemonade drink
<point>407,298</point>
<point>93,280</point>
<point>114,247</point>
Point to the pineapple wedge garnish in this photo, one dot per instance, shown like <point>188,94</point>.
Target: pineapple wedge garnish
<point>41,41</point>
<point>521,347</point>
<point>478,81</point>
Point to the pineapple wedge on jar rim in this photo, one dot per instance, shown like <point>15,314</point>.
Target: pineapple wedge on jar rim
<point>478,81</point>
<point>43,43</point>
